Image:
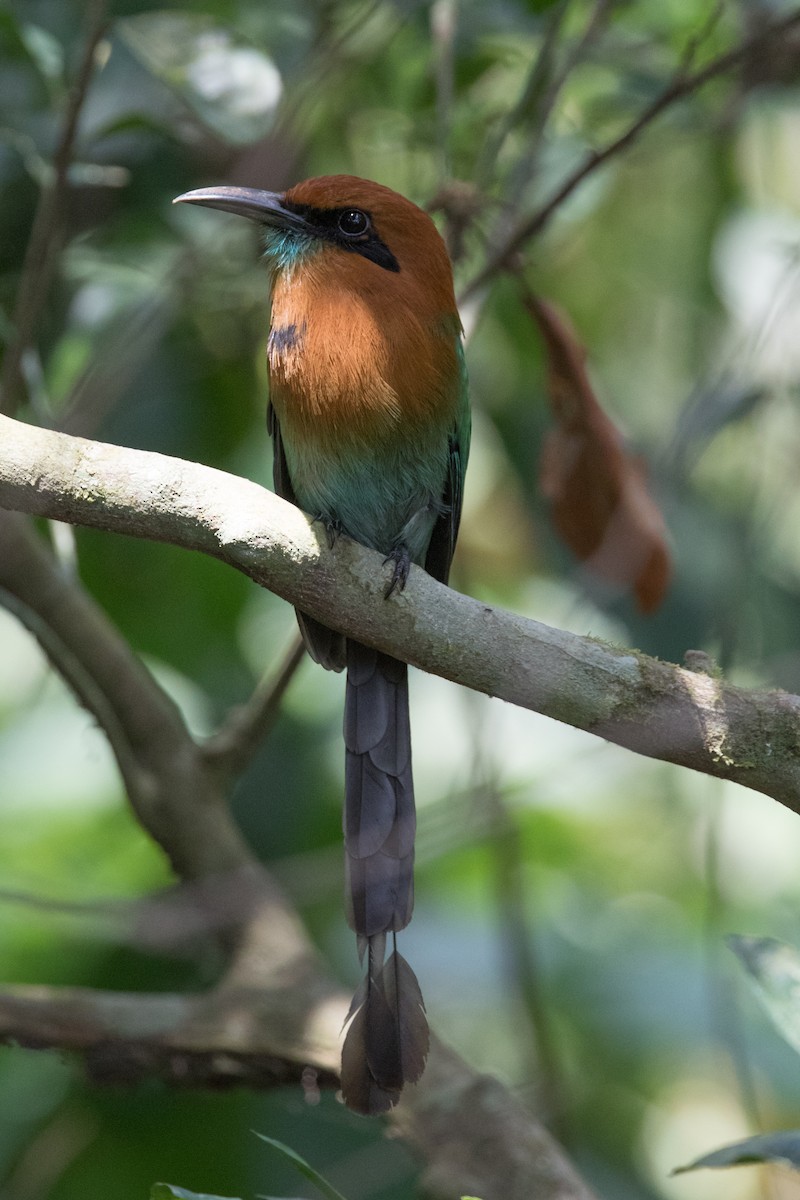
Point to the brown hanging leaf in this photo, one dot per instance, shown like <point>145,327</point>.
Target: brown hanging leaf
<point>600,502</point>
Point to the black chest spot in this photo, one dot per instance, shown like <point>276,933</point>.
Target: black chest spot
<point>283,339</point>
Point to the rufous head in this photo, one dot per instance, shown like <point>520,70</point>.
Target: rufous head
<point>341,215</point>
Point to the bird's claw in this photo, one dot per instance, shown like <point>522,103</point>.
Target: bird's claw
<point>333,528</point>
<point>401,564</point>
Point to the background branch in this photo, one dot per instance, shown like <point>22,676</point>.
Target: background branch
<point>245,728</point>
<point>171,794</point>
<point>269,1037</point>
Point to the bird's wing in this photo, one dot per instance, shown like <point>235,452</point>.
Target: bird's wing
<point>445,531</point>
<point>325,646</point>
<point>280,468</point>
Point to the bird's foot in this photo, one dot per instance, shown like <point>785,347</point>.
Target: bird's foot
<point>401,565</point>
<point>333,528</point>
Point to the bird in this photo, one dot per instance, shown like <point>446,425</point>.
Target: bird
<point>370,423</point>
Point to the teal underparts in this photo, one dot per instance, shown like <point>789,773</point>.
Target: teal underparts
<point>381,495</point>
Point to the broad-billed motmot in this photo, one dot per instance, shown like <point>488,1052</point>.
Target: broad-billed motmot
<point>370,424</point>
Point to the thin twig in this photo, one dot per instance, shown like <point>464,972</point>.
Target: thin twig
<point>47,231</point>
<point>681,86</point>
<point>229,750</point>
<point>326,55</point>
<point>725,1017</point>
<point>120,356</point>
<point>443,21</point>
<point>517,937</point>
<point>535,86</point>
<point>527,165</point>
<point>706,29</point>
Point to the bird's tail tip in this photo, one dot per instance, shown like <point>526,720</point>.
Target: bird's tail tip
<point>387,1042</point>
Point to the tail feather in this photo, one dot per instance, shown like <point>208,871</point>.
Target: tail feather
<point>371,900</point>
<point>361,1091</point>
<point>379,815</point>
<point>404,997</point>
<point>370,817</point>
<point>324,645</point>
<point>387,1040</point>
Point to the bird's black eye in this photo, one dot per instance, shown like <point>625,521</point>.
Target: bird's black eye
<point>353,222</point>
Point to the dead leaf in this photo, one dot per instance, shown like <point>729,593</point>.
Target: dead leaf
<point>600,502</point>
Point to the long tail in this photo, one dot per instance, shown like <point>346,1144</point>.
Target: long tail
<point>387,1042</point>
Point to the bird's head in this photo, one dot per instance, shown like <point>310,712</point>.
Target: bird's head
<point>374,231</point>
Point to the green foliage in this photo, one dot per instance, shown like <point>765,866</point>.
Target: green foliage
<point>303,1167</point>
<point>168,1191</point>
<point>232,87</point>
<point>775,971</point>
<point>783,1147</point>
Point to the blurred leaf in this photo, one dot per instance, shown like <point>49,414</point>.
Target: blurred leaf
<point>23,89</point>
<point>45,51</point>
<point>600,503</point>
<point>29,41</point>
<point>774,967</point>
<point>783,1147</point>
<point>231,86</point>
<point>302,1166</point>
<point>169,1191</point>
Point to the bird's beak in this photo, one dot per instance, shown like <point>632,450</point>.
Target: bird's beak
<point>265,207</point>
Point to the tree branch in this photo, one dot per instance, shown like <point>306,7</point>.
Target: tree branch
<point>461,1154</point>
<point>654,708</point>
<point>232,1036</point>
